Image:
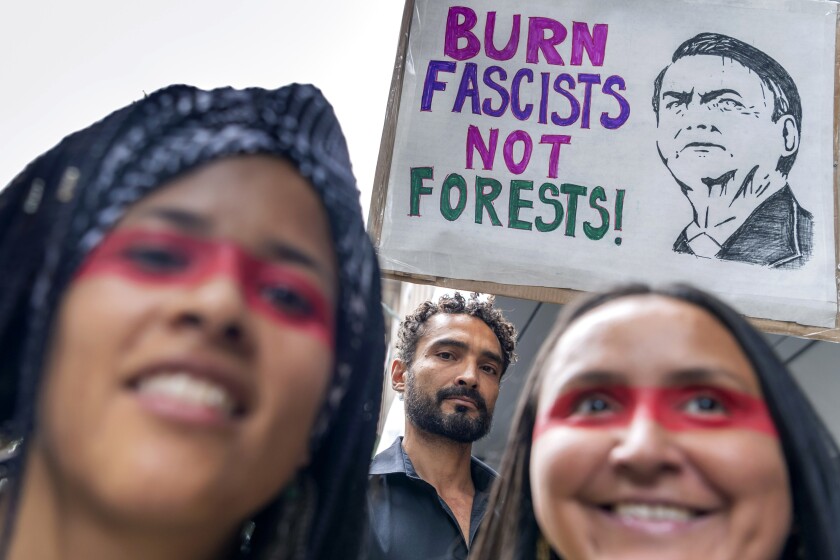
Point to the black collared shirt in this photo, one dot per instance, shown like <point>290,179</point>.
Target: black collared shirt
<point>408,520</point>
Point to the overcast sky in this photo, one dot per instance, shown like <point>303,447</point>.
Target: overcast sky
<point>64,65</point>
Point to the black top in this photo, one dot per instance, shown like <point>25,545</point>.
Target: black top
<point>408,520</point>
<point>777,234</point>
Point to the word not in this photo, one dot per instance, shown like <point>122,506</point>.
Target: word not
<point>487,190</point>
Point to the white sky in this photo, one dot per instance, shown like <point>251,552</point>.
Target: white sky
<point>65,64</point>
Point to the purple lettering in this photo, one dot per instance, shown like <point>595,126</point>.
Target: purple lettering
<point>519,112</point>
<point>538,42</point>
<point>432,84</point>
<point>513,42</point>
<point>476,142</point>
<point>517,168</point>
<point>456,30</point>
<point>556,140</point>
<point>488,81</point>
<point>594,45</point>
<point>574,114</point>
<point>607,121</point>
<point>468,88</point>
<point>587,79</point>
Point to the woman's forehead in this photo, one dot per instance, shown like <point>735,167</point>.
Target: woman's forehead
<point>647,340</point>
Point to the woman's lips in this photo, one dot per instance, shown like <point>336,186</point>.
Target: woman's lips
<point>191,393</point>
<point>653,518</point>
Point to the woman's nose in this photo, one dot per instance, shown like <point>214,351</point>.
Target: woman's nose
<point>645,450</point>
<point>216,307</point>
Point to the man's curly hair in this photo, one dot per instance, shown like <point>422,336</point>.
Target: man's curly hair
<point>413,326</point>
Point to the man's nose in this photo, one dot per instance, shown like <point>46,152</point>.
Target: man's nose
<point>645,449</point>
<point>468,375</point>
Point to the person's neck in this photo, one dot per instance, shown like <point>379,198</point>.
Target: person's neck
<point>722,205</point>
<point>53,523</point>
<point>440,461</point>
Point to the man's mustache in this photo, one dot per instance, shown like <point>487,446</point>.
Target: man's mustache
<point>463,392</point>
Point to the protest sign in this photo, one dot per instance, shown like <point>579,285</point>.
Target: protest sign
<point>537,148</point>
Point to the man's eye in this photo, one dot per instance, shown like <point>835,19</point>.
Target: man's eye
<point>728,103</point>
<point>161,260</point>
<point>490,369</point>
<point>705,405</point>
<point>446,355</point>
<point>286,300</point>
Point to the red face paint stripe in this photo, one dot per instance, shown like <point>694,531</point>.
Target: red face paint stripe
<point>674,408</point>
<point>169,259</point>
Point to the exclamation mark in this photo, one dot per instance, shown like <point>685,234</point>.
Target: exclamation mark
<point>619,209</point>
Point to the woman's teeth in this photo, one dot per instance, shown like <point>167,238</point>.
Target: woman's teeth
<point>188,389</point>
<point>653,512</point>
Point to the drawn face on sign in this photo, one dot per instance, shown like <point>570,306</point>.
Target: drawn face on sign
<point>652,441</point>
<point>715,118</point>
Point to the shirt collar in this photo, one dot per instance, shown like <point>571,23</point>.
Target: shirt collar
<point>396,460</point>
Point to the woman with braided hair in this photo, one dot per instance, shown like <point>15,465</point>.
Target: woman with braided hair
<point>657,424</point>
<point>190,335</point>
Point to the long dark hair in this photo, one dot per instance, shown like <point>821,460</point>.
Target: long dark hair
<point>61,206</point>
<point>810,453</point>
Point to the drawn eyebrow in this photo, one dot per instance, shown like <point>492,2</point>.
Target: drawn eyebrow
<point>706,97</point>
<point>683,97</point>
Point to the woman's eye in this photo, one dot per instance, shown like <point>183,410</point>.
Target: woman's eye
<point>705,404</point>
<point>157,259</point>
<point>595,404</point>
<point>286,300</point>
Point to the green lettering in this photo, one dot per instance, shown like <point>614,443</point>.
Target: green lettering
<point>453,180</point>
<point>516,203</point>
<point>485,201</point>
<point>571,214</point>
<point>418,175</point>
<point>558,208</point>
<point>597,233</point>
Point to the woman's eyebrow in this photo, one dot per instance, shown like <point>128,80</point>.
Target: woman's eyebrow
<point>283,252</point>
<point>593,378</point>
<point>182,219</point>
<point>700,375</point>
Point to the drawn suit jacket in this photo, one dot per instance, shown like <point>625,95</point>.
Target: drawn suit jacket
<point>778,234</point>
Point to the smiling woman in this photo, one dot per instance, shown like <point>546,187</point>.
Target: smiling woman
<point>189,332</point>
<point>658,424</point>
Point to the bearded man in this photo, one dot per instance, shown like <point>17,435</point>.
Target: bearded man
<point>427,494</point>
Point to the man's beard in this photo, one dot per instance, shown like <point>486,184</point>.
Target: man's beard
<point>425,412</point>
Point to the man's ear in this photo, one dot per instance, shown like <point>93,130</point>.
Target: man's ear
<point>790,134</point>
<point>398,373</point>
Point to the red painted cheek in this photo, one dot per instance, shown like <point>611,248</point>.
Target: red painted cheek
<point>167,259</point>
<point>673,408</point>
